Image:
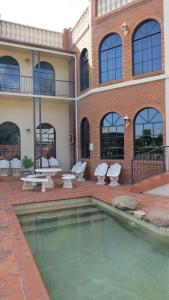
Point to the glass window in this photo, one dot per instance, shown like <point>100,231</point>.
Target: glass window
<point>111,58</point>
<point>9,74</point>
<point>84,70</point>
<point>147,48</point>
<point>44,79</point>
<point>45,141</point>
<point>148,131</point>
<point>9,141</point>
<point>85,138</point>
<point>112,136</point>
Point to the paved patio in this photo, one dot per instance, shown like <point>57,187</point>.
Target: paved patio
<point>19,276</point>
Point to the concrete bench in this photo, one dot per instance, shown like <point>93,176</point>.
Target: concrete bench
<point>67,181</point>
<point>30,182</point>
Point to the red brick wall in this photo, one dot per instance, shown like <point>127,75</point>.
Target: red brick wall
<point>133,15</point>
<point>127,100</point>
<point>124,101</point>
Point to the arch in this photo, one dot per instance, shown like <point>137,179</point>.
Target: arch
<point>85,138</point>
<point>146,45</point>
<point>48,139</point>
<point>10,140</point>
<point>9,74</point>
<point>44,77</point>
<point>84,70</point>
<point>148,131</point>
<point>110,56</point>
<point>112,136</point>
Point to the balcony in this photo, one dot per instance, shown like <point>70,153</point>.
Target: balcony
<point>80,27</point>
<point>105,6</point>
<point>36,87</point>
<point>27,34</point>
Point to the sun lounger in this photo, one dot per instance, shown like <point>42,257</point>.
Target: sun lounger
<point>113,173</point>
<point>100,172</point>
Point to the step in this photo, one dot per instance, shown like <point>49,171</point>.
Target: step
<point>47,207</point>
<point>60,214</point>
<point>150,183</point>
<point>66,222</point>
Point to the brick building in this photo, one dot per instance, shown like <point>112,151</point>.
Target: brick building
<point>124,102</point>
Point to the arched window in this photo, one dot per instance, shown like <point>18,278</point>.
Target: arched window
<point>44,77</point>
<point>112,136</point>
<point>84,70</point>
<point>111,58</point>
<point>147,48</point>
<point>148,131</point>
<point>45,141</point>
<point>85,138</point>
<point>9,141</point>
<point>9,74</point>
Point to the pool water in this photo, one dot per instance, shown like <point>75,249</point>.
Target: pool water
<point>84,254</point>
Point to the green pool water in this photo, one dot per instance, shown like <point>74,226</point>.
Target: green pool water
<point>84,254</point>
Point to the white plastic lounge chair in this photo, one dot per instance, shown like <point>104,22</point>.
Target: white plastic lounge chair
<point>53,162</point>
<point>45,163</point>
<point>16,166</point>
<point>113,173</point>
<point>4,167</point>
<point>80,171</point>
<point>74,168</point>
<point>100,172</point>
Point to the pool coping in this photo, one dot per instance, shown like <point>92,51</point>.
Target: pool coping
<point>159,230</point>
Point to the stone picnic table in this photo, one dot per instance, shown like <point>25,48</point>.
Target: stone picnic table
<point>48,173</point>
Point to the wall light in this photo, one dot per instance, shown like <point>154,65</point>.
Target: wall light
<point>125,28</point>
<point>126,120</point>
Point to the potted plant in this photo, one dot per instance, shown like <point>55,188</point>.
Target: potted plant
<point>27,163</point>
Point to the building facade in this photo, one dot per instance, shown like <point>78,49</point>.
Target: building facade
<point>36,92</point>
<point>124,103</point>
<point>97,92</point>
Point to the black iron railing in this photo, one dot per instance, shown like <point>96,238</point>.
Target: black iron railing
<point>29,85</point>
<point>150,164</point>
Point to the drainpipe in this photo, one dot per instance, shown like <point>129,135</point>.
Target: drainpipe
<point>34,111</point>
<point>76,123</point>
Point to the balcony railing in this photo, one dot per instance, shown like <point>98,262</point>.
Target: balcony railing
<point>30,85</point>
<point>81,25</point>
<point>104,6</point>
<point>28,34</point>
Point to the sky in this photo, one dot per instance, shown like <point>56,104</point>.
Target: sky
<point>48,14</point>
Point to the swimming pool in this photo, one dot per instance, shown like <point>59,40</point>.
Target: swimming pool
<point>84,253</point>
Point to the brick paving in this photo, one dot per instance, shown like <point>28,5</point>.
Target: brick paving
<point>19,276</point>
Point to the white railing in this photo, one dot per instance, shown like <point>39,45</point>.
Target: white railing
<point>28,34</point>
<point>104,6</point>
<point>81,25</point>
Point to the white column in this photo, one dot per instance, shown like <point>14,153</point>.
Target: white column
<point>166,58</point>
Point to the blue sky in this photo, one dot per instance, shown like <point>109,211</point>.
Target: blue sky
<point>49,14</point>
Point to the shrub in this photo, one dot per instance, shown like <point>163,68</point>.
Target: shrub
<point>27,162</point>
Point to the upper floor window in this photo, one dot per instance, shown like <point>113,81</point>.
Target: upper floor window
<point>111,58</point>
<point>148,131</point>
<point>85,138</point>
<point>44,79</point>
<point>84,70</point>
<point>112,136</point>
<point>147,48</point>
<point>9,74</point>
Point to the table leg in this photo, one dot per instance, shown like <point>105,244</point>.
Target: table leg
<point>50,183</point>
<point>43,187</point>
